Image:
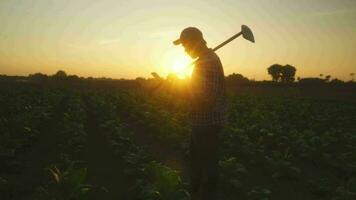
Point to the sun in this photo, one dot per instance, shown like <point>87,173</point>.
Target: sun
<point>181,68</point>
<point>176,62</point>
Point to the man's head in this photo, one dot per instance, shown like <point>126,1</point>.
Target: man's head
<point>192,40</point>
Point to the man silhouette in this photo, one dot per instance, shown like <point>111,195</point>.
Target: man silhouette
<point>207,113</point>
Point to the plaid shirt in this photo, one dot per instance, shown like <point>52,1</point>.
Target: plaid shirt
<point>208,91</point>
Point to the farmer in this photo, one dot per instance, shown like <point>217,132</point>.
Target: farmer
<point>207,113</point>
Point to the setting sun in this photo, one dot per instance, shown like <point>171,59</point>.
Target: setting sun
<point>182,68</point>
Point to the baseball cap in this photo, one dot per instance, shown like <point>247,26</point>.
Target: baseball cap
<point>190,34</point>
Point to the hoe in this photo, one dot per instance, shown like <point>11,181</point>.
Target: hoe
<point>245,32</point>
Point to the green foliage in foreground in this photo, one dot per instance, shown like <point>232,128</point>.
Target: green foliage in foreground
<point>161,182</point>
<point>271,148</point>
<point>152,180</point>
<point>67,184</point>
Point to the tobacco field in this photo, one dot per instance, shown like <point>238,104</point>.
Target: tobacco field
<point>68,143</point>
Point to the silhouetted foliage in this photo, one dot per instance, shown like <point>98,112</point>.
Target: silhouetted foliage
<point>288,73</point>
<point>336,81</point>
<point>311,81</point>
<point>38,77</point>
<point>60,75</point>
<point>236,79</point>
<point>73,78</point>
<point>275,71</point>
<point>281,73</point>
<point>140,79</point>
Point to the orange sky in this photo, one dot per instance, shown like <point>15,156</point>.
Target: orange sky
<point>127,39</point>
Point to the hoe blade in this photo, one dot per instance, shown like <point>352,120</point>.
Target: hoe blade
<point>247,33</point>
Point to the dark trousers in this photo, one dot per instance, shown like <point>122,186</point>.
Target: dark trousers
<point>204,161</point>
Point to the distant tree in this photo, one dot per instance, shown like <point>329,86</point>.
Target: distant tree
<point>275,71</point>
<point>73,77</point>
<point>311,81</point>
<point>38,77</point>
<point>236,78</point>
<point>60,75</point>
<point>281,73</point>
<point>288,73</point>
<point>336,81</point>
<point>103,78</point>
<point>140,79</point>
<point>327,78</point>
<point>352,76</point>
<point>3,77</point>
<point>321,75</point>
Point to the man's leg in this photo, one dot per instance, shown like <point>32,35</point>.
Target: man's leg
<point>196,160</point>
<point>210,163</point>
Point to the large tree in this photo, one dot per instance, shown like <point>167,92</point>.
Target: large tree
<point>275,71</point>
<point>236,78</point>
<point>60,75</point>
<point>288,73</point>
<point>281,73</point>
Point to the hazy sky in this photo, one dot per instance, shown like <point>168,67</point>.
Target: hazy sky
<point>132,38</point>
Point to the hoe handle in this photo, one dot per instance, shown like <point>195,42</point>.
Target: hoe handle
<point>227,41</point>
<point>220,45</point>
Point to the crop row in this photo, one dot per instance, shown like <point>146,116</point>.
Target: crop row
<point>148,179</point>
<point>40,129</point>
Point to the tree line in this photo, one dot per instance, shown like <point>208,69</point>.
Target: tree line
<point>279,74</point>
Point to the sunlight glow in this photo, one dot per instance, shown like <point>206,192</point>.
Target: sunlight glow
<point>134,38</point>
<point>181,68</point>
